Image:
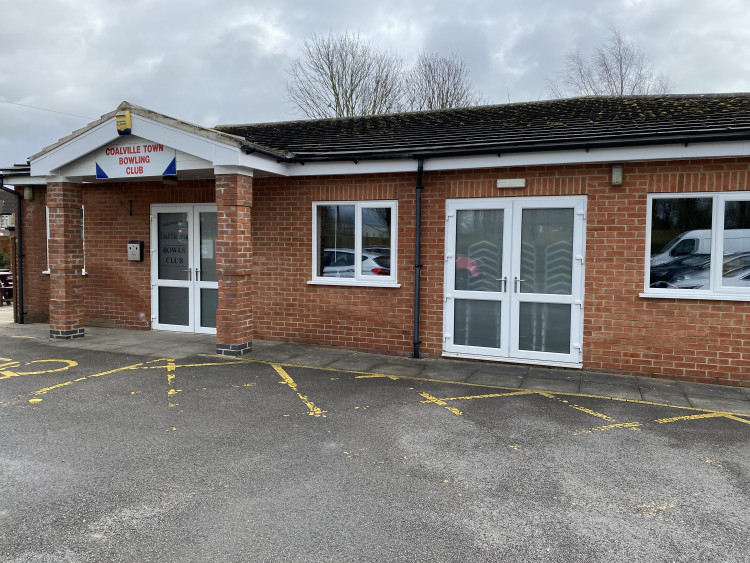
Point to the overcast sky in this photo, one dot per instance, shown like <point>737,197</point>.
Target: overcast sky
<point>216,62</point>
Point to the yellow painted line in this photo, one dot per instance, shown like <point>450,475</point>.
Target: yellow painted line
<point>46,390</point>
<point>592,413</point>
<point>547,394</point>
<point>313,410</point>
<point>737,418</point>
<point>431,399</point>
<point>633,425</point>
<point>7,374</point>
<point>378,376</point>
<point>489,396</point>
<point>690,417</point>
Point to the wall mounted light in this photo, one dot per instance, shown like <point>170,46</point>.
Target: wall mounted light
<point>511,183</point>
<point>28,193</point>
<point>617,174</point>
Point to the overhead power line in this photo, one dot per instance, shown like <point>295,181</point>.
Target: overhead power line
<point>45,109</point>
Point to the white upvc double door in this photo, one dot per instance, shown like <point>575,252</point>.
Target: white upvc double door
<point>514,279</point>
<point>184,284</point>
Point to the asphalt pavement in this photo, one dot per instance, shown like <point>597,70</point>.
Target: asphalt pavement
<point>291,456</point>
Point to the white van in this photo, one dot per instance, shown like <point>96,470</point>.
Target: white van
<point>699,242</point>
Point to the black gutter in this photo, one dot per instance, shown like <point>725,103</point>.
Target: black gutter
<point>17,283</point>
<point>500,149</point>
<point>418,255</point>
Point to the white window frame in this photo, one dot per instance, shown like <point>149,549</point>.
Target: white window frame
<point>716,290</point>
<point>359,279</point>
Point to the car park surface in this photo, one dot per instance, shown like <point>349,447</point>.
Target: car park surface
<point>306,454</point>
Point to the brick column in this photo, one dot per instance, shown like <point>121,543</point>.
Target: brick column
<point>234,260</point>
<point>65,260</point>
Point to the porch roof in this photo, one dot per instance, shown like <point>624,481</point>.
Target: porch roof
<point>587,122</point>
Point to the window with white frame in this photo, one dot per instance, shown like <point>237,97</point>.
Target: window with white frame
<point>354,243</point>
<point>699,245</point>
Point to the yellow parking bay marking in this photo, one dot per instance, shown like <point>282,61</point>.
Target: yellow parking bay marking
<point>8,363</point>
<point>489,396</point>
<point>170,366</point>
<point>36,394</point>
<point>287,380</point>
<point>702,416</point>
<point>633,425</point>
<point>442,403</point>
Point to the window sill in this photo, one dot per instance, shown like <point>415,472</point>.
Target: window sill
<point>706,295</point>
<point>353,283</point>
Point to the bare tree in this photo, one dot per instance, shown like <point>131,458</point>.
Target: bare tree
<point>618,68</point>
<point>343,76</point>
<point>438,82</point>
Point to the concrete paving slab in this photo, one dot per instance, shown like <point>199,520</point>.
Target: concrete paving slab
<point>551,373</point>
<point>550,384</point>
<point>501,379</point>
<point>617,390</point>
<point>720,404</point>
<point>447,370</point>
<point>392,368</point>
<point>703,390</point>
<point>358,362</point>
<point>320,358</point>
<point>609,379</point>
<point>665,397</point>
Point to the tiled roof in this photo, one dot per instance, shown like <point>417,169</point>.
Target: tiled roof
<point>548,125</point>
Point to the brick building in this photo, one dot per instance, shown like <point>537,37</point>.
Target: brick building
<point>597,233</point>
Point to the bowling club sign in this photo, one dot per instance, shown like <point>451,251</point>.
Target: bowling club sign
<point>136,160</point>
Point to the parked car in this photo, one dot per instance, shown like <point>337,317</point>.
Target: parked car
<point>699,242</point>
<point>661,276</point>
<point>339,263</point>
<point>467,269</point>
<point>700,279</point>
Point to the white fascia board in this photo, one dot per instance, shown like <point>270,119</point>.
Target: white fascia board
<point>265,163</point>
<point>210,150</point>
<point>540,158</point>
<point>74,148</point>
<point>24,181</point>
<point>185,141</point>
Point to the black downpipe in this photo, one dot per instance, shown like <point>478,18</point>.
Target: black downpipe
<point>417,255</point>
<point>17,283</point>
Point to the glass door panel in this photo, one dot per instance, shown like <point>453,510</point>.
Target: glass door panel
<point>183,268</point>
<point>514,279</point>
<point>476,277</point>
<point>547,289</point>
<point>206,280</point>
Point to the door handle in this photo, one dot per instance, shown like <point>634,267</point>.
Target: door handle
<point>197,275</point>
<point>504,284</point>
<point>515,284</point>
<point>190,273</point>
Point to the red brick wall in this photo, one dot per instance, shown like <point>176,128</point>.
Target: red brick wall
<point>698,340</point>
<point>117,292</point>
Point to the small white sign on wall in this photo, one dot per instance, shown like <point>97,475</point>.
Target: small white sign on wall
<point>135,160</point>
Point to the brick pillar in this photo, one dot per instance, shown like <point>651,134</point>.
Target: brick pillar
<point>234,260</point>
<point>65,261</point>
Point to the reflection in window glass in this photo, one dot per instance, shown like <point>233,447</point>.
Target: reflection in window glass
<point>335,241</point>
<point>208,235</point>
<point>736,244</point>
<point>477,323</point>
<point>681,239</point>
<point>547,251</point>
<point>544,327</point>
<point>479,249</point>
